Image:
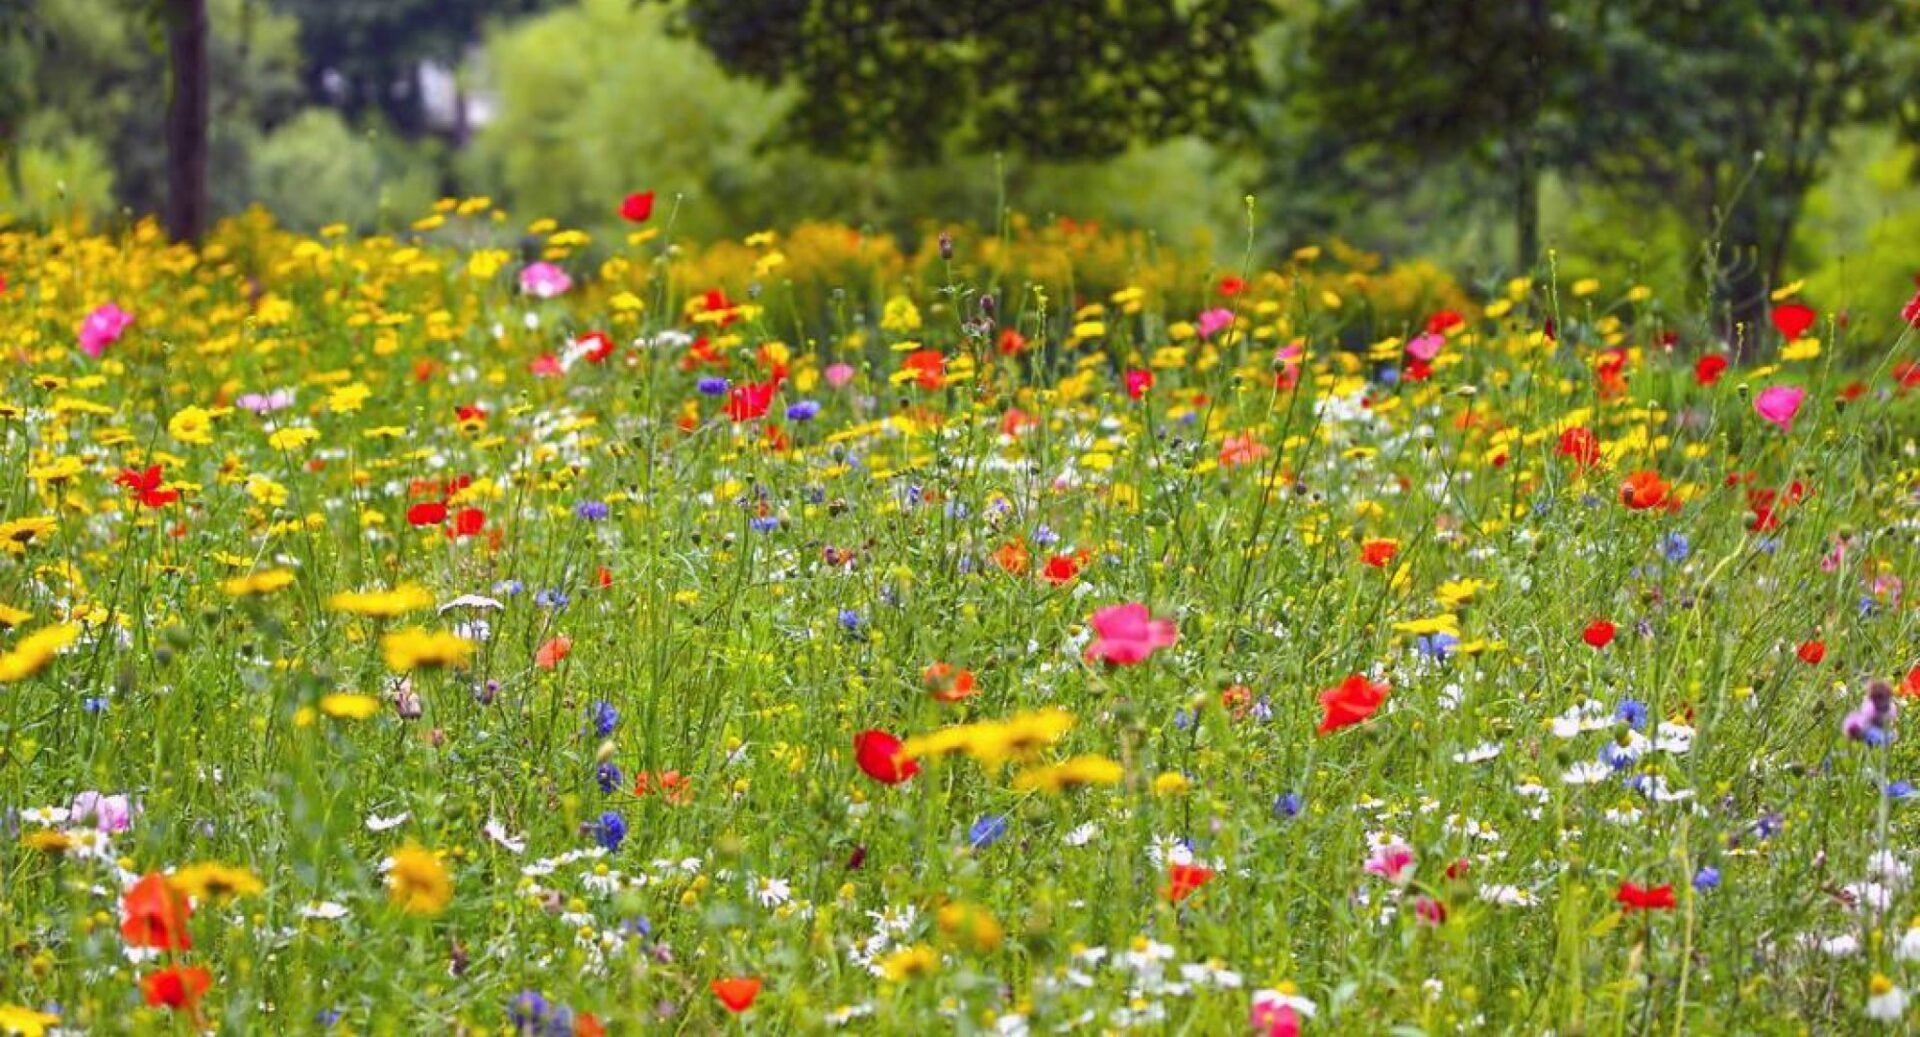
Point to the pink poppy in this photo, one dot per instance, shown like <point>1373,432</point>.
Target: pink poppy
<point>1779,404</point>
<point>1393,862</point>
<point>838,374</point>
<point>1127,634</point>
<point>544,281</point>
<point>1425,346</point>
<point>1214,320</point>
<point>103,328</point>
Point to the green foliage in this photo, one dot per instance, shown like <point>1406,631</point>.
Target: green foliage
<point>58,181</point>
<point>315,170</point>
<point>1062,79</point>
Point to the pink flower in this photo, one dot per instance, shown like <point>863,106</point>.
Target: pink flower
<point>1277,1015</point>
<point>1127,634</point>
<point>1779,404</point>
<point>1214,320</point>
<point>839,374</point>
<point>102,328</point>
<point>1393,862</point>
<point>1426,346</point>
<point>544,281</point>
<point>546,365</point>
<point>106,813</point>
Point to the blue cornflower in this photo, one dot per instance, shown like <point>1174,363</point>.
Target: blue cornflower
<point>1287,806</point>
<point>552,599</point>
<point>94,704</point>
<point>1675,548</point>
<point>1438,647</point>
<point>532,1015</point>
<point>1182,719</point>
<point>987,831</point>
<point>804,410</point>
<point>509,588</point>
<point>607,776</point>
<point>592,510</point>
<point>1044,536</point>
<point>763,523</point>
<point>604,718</point>
<point>712,386</point>
<point>1708,877</point>
<point>850,619</point>
<point>1900,790</point>
<point>610,831</point>
<point>1633,712</point>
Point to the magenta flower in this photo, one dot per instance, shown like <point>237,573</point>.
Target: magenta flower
<point>544,281</point>
<point>1425,346</point>
<point>1393,862</point>
<point>1779,404</point>
<point>1127,634</point>
<point>838,374</point>
<point>103,328</point>
<point>1214,320</point>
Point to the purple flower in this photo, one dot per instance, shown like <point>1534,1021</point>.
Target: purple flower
<point>804,410</point>
<point>712,386</point>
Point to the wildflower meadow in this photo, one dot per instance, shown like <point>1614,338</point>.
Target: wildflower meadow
<point>498,628</point>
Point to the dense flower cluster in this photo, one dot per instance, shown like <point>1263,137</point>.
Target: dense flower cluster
<point>1037,632</point>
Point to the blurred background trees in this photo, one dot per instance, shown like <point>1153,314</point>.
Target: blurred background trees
<point>1709,147</point>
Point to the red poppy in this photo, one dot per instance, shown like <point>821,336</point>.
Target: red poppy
<point>1598,633</point>
<point>1913,682</point>
<point>1707,369</point>
<point>586,1024</point>
<point>1183,879</point>
<point>750,401</point>
<point>154,914</point>
<point>1061,569</point>
<point>430,514</point>
<point>1378,553</point>
<point>736,993</point>
<point>598,346</point>
<point>1011,342</point>
<point>147,486</point>
<point>176,987</point>
<point>1906,374</point>
<point>929,367</point>
<point>1812,652</point>
<point>1611,373</point>
<point>1636,898</point>
<point>1643,490</point>
<point>878,754</point>
<point>672,786</point>
<point>1911,311</point>
<point>637,207</point>
<point>1444,321</point>
<point>947,683</point>
<point>1354,700</point>
<point>1231,286</point>
<point>1580,444</point>
<point>1138,382</point>
<point>1459,868</point>
<point>468,522</point>
<point>1793,319</point>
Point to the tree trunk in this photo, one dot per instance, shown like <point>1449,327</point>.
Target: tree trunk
<point>188,113</point>
<point>1526,208</point>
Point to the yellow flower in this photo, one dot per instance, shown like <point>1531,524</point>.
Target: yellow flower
<point>900,315</point>
<point>382,604</point>
<point>917,960</point>
<point>1446,623</point>
<point>35,651</point>
<point>348,398</point>
<point>11,617</point>
<point>292,438</point>
<point>971,927</point>
<point>1079,772</point>
<point>418,882</point>
<point>1171,783</point>
<point>414,648</point>
<point>193,425</point>
<point>211,881</point>
<point>1455,593</point>
<point>342,706</point>
<point>47,840</point>
<point>16,534</point>
<point>256,584</point>
<point>21,1021</point>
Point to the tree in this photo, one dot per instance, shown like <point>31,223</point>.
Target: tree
<point>364,54</point>
<point>1056,80</point>
<point>188,118</point>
